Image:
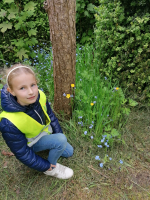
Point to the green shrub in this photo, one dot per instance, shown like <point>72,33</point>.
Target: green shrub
<point>123,47</point>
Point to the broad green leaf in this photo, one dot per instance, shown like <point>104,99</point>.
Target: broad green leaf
<point>20,43</point>
<point>114,132</point>
<point>32,32</point>
<point>86,13</point>
<point>34,40</point>
<point>13,9</point>
<point>8,1</point>
<point>3,13</point>
<point>5,26</point>
<point>90,7</point>
<point>17,26</point>
<point>11,15</point>
<point>22,53</point>
<point>30,6</point>
<point>132,102</point>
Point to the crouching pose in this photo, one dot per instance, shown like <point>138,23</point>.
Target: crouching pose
<point>28,124</point>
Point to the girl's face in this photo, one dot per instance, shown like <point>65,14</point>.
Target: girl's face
<point>24,88</point>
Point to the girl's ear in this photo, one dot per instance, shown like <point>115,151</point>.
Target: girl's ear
<point>11,91</point>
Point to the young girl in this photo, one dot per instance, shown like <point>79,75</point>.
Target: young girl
<point>28,124</point>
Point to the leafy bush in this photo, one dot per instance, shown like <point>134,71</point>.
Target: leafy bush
<point>25,23</point>
<point>123,47</point>
<point>21,25</point>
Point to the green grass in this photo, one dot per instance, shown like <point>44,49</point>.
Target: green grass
<point>129,180</point>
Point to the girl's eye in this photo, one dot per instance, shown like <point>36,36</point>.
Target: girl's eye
<point>22,88</point>
<point>33,85</point>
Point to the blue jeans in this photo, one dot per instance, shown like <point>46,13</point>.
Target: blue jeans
<point>57,144</point>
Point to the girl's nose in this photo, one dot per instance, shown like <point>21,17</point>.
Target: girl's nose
<point>30,91</point>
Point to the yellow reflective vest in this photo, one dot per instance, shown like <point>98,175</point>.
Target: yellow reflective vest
<point>32,129</point>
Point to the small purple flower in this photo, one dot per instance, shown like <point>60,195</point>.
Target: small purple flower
<point>92,122</point>
<point>97,158</point>
<point>64,94</point>
<point>100,146</point>
<point>92,137</point>
<point>49,103</point>
<point>79,122</point>
<point>85,132</point>
<point>71,95</point>
<point>91,126</point>
<point>94,101</point>
<point>101,164</point>
<point>102,140</point>
<point>105,78</point>
<point>121,162</point>
<point>80,79</point>
<point>95,97</point>
<point>80,117</point>
<point>105,143</point>
<point>110,158</point>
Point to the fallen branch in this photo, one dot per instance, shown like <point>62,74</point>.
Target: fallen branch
<point>91,167</point>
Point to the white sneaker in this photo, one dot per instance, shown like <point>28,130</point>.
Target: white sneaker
<point>60,171</point>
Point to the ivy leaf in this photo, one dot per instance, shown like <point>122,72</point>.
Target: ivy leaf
<point>90,7</point>
<point>30,6</point>
<point>5,26</point>
<point>3,13</point>
<point>8,1</point>
<point>22,53</point>
<point>32,32</point>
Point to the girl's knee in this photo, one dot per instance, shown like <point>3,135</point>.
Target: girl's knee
<point>62,139</point>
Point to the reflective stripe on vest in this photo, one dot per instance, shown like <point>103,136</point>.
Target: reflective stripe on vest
<point>26,124</point>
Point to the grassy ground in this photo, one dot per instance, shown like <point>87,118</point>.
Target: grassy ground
<point>130,180</point>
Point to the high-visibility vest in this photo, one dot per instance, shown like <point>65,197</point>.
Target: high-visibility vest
<point>26,124</point>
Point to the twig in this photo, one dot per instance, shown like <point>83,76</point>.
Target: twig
<point>91,167</point>
<point>139,186</point>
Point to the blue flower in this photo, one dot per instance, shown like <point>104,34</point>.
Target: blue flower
<point>42,89</point>
<point>80,79</point>
<point>105,143</point>
<point>80,117</point>
<point>92,122</point>
<point>91,126</point>
<point>85,132</point>
<point>49,103</point>
<point>64,94</point>
<point>71,95</point>
<point>121,162</point>
<point>102,140</point>
<point>95,97</point>
<point>94,101</point>
<point>101,164</point>
<point>80,122</point>
<point>92,137</point>
<point>110,158</point>
<point>104,136</point>
<point>100,146</point>
<point>97,158</point>
<point>105,78</point>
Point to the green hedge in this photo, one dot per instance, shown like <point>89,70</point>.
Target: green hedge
<point>123,47</point>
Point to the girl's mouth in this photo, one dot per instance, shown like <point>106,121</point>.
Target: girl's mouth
<point>32,97</point>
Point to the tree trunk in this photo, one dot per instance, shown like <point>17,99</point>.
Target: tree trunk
<point>61,14</point>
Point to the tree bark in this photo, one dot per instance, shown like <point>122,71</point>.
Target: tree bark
<point>61,14</point>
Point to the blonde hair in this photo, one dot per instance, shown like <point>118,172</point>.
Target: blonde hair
<point>20,68</point>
